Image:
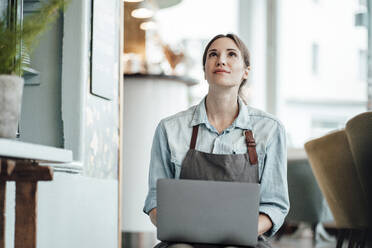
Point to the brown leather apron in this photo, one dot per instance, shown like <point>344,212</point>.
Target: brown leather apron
<point>199,165</point>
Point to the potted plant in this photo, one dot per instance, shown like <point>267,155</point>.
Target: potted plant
<point>15,39</point>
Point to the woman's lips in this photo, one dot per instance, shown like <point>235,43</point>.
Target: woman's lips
<point>221,71</point>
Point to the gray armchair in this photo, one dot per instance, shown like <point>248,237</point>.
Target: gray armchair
<point>307,201</point>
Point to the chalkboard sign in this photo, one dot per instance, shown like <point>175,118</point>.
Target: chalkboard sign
<point>105,48</point>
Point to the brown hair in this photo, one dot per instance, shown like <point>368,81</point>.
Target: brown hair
<point>238,42</point>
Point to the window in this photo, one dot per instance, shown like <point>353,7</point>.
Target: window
<point>322,125</point>
<point>363,3</point>
<point>321,63</point>
<point>362,65</point>
<point>315,59</point>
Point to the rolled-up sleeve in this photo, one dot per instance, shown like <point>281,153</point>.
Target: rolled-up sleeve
<point>274,199</point>
<point>160,165</point>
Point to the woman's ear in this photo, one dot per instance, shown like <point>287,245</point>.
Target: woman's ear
<point>246,72</point>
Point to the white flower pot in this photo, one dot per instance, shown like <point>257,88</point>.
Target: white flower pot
<point>11,88</point>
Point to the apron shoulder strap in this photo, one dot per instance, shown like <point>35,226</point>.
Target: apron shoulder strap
<point>194,136</point>
<point>251,145</point>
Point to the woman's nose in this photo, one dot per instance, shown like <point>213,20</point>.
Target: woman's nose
<point>221,61</point>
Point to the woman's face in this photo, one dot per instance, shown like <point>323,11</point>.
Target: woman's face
<point>224,65</point>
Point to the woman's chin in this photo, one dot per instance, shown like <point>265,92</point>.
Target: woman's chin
<point>223,84</point>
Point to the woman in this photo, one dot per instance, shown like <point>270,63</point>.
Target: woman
<point>185,145</point>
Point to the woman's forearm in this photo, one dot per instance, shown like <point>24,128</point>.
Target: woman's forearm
<point>264,223</point>
<point>152,215</point>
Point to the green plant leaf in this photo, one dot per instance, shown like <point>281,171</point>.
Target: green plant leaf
<point>26,35</point>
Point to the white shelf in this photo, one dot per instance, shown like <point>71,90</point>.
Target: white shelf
<point>46,154</point>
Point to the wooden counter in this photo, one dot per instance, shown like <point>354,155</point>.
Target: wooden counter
<point>182,79</point>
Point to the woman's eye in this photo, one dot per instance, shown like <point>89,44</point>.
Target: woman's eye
<point>212,54</point>
<point>232,54</point>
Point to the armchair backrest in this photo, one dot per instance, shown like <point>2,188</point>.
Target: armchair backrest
<point>333,166</point>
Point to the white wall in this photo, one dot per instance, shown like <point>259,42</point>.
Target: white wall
<point>73,211</point>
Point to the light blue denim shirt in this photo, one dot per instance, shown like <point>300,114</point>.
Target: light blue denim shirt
<point>172,140</point>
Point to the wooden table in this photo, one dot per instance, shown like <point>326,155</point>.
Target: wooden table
<point>19,162</point>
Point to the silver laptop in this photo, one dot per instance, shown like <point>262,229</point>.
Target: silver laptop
<point>210,212</point>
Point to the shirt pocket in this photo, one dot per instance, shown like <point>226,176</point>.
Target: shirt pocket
<point>240,147</point>
<point>178,154</point>
<point>177,167</point>
<point>260,155</point>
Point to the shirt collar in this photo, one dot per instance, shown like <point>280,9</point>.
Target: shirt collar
<point>200,114</point>
<point>241,121</point>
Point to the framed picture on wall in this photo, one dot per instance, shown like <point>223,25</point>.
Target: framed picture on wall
<point>104,48</point>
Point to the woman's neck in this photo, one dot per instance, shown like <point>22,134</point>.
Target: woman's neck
<point>222,109</point>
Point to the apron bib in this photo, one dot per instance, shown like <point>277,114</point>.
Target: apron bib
<point>199,165</point>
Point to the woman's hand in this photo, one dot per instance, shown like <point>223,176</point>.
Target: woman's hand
<point>153,216</point>
<point>264,223</point>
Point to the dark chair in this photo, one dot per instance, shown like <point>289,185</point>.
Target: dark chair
<point>359,134</point>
